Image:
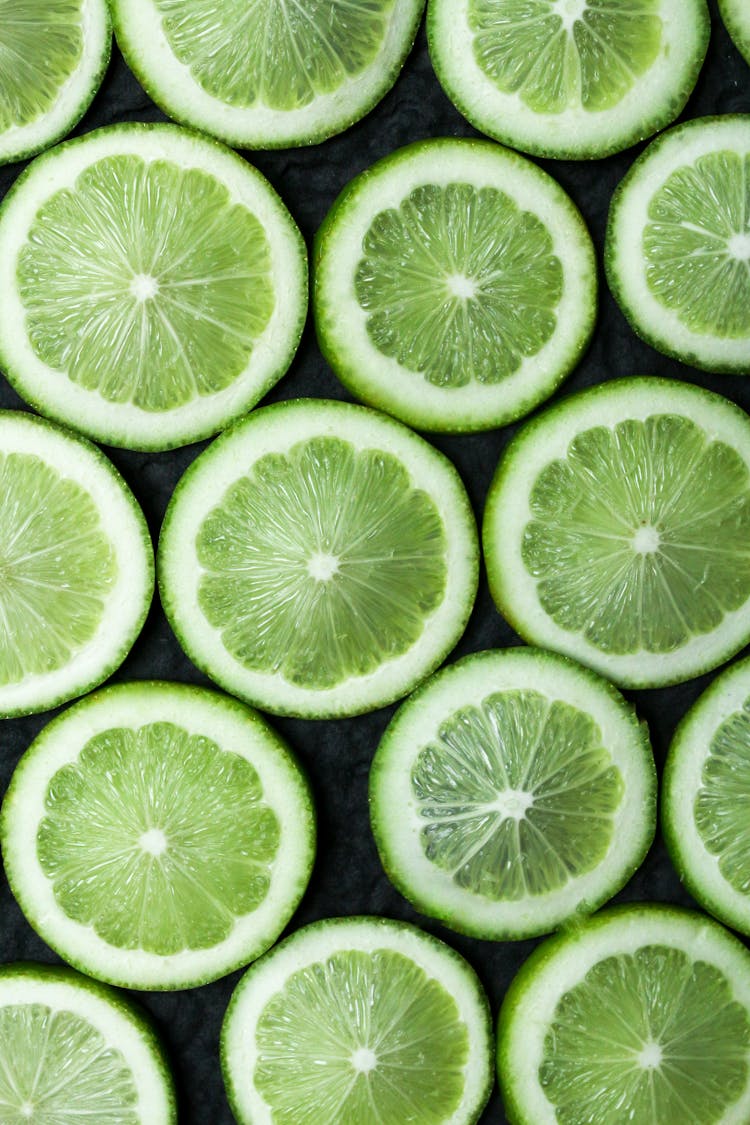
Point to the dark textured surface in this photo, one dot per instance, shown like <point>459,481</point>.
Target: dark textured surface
<point>348,878</point>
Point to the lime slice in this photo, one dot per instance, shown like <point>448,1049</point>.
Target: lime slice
<point>642,1014</point>
<point>76,566</point>
<point>574,79</point>
<point>736,16</point>
<point>319,559</point>
<point>53,56</point>
<point>358,1020</point>
<point>617,526</point>
<point>269,73</point>
<point>158,836</point>
<point>154,285</point>
<point>455,285</point>
<point>678,244</point>
<point>75,1051</point>
<point>511,792</point>
<point>706,781</point>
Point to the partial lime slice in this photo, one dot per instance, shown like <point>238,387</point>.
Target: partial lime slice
<point>358,1020</point>
<point>574,79</point>
<point>642,1014</point>
<point>158,836</point>
<point>74,1051</point>
<point>678,244</point>
<point>267,73</point>
<point>53,56</point>
<point>154,285</point>
<point>736,16</point>
<point>76,566</point>
<point>455,285</point>
<point>512,792</point>
<point>617,530</point>
<point>319,559</point>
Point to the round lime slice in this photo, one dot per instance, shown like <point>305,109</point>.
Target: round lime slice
<point>155,286</point>
<point>511,792</point>
<point>573,79</point>
<point>75,1051</point>
<point>617,526</point>
<point>319,559</point>
<point>736,16</point>
<point>158,836</point>
<point>706,781</point>
<point>53,56</point>
<point>678,244</point>
<point>267,74</point>
<point>358,1020</point>
<point>76,566</point>
<point>455,285</point>
<point>642,1014</point>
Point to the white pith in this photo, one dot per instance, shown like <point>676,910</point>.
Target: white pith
<point>51,391</point>
<point>233,728</point>
<point>318,943</point>
<point>508,512</point>
<point>736,15</point>
<point>143,42</point>
<point>382,380</point>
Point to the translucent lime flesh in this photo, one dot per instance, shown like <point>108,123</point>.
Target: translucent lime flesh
<point>40,47</point>
<point>321,563</point>
<point>279,53</point>
<point>651,1037</point>
<point>720,807</point>
<point>57,568</point>
<point>639,537</point>
<point>361,1037</point>
<point>557,54</point>
<point>145,283</point>
<point>459,284</point>
<point>697,245</point>
<point>157,838</point>
<point>58,1070</point>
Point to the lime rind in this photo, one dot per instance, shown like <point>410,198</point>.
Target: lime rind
<point>380,380</point>
<point>653,101</point>
<point>397,828</point>
<point>736,16</point>
<point>205,713</point>
<point>53,393</point>
<point>140,35</point>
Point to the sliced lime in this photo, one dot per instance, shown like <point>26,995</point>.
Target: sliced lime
<point>642,1014</point>
<point>319,559</point>
<point>617,530</point>
<point>568,78</point>
<point>157,835</point>
<point>75,1051</point>
<point>736,16</point>
<point>154,285</point>
<point>455,285</point>
<point>678,244</point>
<point>511,792</point>
<point>358,1020</point>
<point>53,56</point>
<point>267,74</point>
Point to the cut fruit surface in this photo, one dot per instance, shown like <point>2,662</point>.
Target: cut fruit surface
<point>642,1006</point>
<point>319,559</point>
<point>75,1051</point>
<point>736,16</point>
<point>455,285</point>
<point>512,791</point>
<point>157,835</point>
<point>76,566</point>
<point>268,73</point>
<point>52,60</point>
<point>678,244</point>
<point>155,285</point>
<point>358,1019</point>
<point>617,528</point>
<point>572,79</point>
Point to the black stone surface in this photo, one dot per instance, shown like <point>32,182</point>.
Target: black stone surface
<point>348,878</point>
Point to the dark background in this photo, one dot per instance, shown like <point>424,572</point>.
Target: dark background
<point>348,878</point>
